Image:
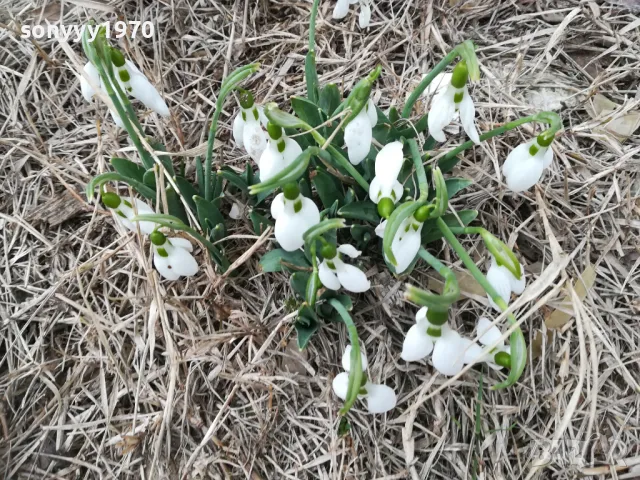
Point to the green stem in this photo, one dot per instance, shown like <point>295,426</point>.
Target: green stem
<point>518,346</point>
<point>355,370</point>
<point>450,292</point>
<point>420,171</point>
<point>450,160</point>
<point>346,164</point>
<point>312,26</point>
<point>422,86</point>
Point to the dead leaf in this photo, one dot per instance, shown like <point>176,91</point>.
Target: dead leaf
<point>621,127</point>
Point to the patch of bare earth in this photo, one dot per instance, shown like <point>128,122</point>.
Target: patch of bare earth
<point>107,372</point>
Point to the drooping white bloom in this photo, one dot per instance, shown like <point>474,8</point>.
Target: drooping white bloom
<point>334,273</point>
<point>173,259</point>
<point>364,18</point>
<point>406,243</point>
<point>236,211</point>
<point>248,131</point>
<point>505,282</point>
<point>277,156</point>
<point>126,210</point>
<point>489,335</point>
<point>131,81</point>
<point>359,133</point>
<point>380,398</point>
<point>449,101</point>
<point>522,170</point>
<point>293,218</point>
<point>418,343</point>
<point>342,8</point>
<point>388,165</point>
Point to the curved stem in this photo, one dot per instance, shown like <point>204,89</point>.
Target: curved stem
<point>312,26</point>
<point>422,86</point>
<point>346,164</point>
<point>450,291</point>
<point>518,345</point>
<point>355,370</point>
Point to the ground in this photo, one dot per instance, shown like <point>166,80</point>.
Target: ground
<point>108,372</point>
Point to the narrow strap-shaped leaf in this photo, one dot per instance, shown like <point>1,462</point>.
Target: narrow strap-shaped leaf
<point>129,169</point>
<point>139,187</point>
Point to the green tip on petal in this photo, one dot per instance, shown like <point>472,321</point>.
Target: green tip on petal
<point>157,238</point>
<point>111,200</point>
<point>386,207</point>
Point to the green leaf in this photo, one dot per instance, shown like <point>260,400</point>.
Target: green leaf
<point>149,178</point>
<point>139,187</point>
<point>209,215</point>
<point>306,326</point>
<point>430,231</point>
<point>362,234</point>
<point>311,76</point>
<point>394,116</point>
<point>329,99</point>
<point>343,427</point>
<point>313,285</point>
<point>164,159</point>
<point>275,260</point>
<point>128,169</point>
<point>367,211</point>
<point>176,208</point>
<point>454,185</point>
<point>298,282</point>
<point>234,178</point>
<point>308,112</point>
<point>328,189</point>
<point>199,174</point>
<point>259,222</point>
<point>188,192</point>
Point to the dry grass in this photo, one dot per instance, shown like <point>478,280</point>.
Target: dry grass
<point>106,372</point>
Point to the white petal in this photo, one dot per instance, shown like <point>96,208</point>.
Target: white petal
<point>389,163</point>
<point>501,282</point>
<point>262,117</point>
<point>405,250</point>
<point>372,113</point>
<point>417,344</point>
<point>448,357</point>
<point>472,352</point>
<point>439,83</point>
<point>398,191</point>
<point>421,317</point>
<point>236,211</point>
<point>365,17</point>
<point>290,227</point>
<point>143,90</point>
<point>380,398</point>
<point>353,279</point>
<point>182,261</point>
<point>515,157</point>
<point>547,158</point>
<point>341,385</point>
<point>328,277</point>
<point>92,73</point>
<point>271,162</point>
<point>164,267</point>
<point>518,286</point>
<point>346,359</point>
<point>357,137</point>
<point>380,228</point>
<point>377,190</point>
<point>182,243</point>
<point>525,175</point>
<point>255,140</point>
<point>442,111</point>
<point>238,130</point>
<point>349,250</point>
<point>353,2</point>
<point>467,116</point>
<point>309,215</point>
<point>116,118</point>
<point>277,206</point>
<point>291,150</point>
<point>341,9</point>
<point>489,334</point>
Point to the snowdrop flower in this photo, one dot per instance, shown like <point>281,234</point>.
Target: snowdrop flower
<point>334,273</point>
<point>447,101</point>
<point>407,241</point>
<point>500,355</point>
<point>172,256</point>
<point>388,165</point>
<point>359,132</point>
<point>505,282</point>
<point>280,152</point>
<point>294,215</point>
<point>342,8</point>
<point>421,337</point>
<point>88,92</point>
<point>247,127</point>
<point>525,164</point>
<point>126,208</point>
<point>380,398</point>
